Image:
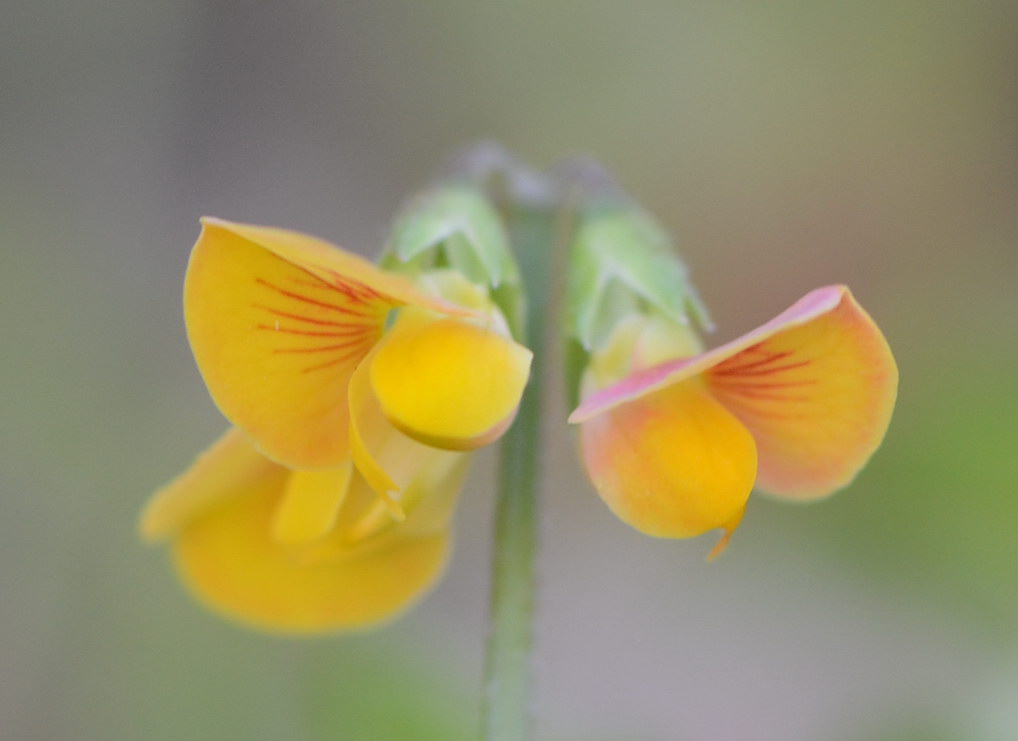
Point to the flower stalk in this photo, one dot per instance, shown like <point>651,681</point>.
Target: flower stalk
<point>506,705</point>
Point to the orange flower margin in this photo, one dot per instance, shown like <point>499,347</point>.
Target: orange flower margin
<point>354,396</point>
<point>796,407</point>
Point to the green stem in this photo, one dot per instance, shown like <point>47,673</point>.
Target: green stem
<point>506,706</point>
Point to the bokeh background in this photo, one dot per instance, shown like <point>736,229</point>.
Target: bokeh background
<point>787,145</point>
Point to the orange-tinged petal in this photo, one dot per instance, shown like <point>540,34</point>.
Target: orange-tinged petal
<point>674,463</point>
<point>448,382</point>
<point>231,562</point>
<point>812,305</point>
<point>231,463</point>
<point>310,504</point>
<point>277,321</point>
<point>817,397</point>
<point>816,386</point>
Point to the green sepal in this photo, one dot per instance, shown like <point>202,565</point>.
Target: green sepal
<point>621,261</point>
<point>575,360</point>
<point>456,226</point>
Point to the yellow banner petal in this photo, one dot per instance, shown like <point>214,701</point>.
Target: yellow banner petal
<point>674,463</point>
<point>276,337</point>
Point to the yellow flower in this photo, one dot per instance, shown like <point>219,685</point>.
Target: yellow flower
<point>674,439</point>
<point>353,392</point>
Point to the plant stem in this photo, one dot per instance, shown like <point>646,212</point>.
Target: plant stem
<point>505,713</point>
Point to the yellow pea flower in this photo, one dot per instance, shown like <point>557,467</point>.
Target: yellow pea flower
<point>279,322</point>
<point>674,439</point>
<point>353,393</point>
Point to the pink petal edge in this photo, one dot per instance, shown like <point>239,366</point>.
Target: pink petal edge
<point>814,304</point>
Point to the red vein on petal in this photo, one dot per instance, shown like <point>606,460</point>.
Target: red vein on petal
<point>308,300</point>
<point>763,395</point>
<point>359,353</point>
<point>306,333</point>
<point>311,273</point>
<point>771,358</point>
<point>318,283</point>
<point>341,288</point>
<point>762,371</point>
<point>313,320</point>
<point>349,291</point>
<point>727,384</point>
<point>318,348</point>
<point>361,288</point>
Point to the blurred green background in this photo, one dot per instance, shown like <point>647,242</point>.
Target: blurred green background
<point>787,145</point>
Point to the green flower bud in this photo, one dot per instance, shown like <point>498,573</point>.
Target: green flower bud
<point>456,226</point>
<point>621,262</point>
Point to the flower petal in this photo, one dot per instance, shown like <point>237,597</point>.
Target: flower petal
<point>230,561</point>
<point>365,522</point>
<point>431,497</point>
<point>728,529</point>
<point>229,464</point>
<point>674,463</point>
<point>814,304</point>
<point>817,397</point>
<point>448,382</point>
<point>310,505</point>
<point>815,385</point>
<point>346,271</point>
<point>388,459</point>
<point>278,321</point>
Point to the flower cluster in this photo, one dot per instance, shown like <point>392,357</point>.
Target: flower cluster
<point>355,393</point>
